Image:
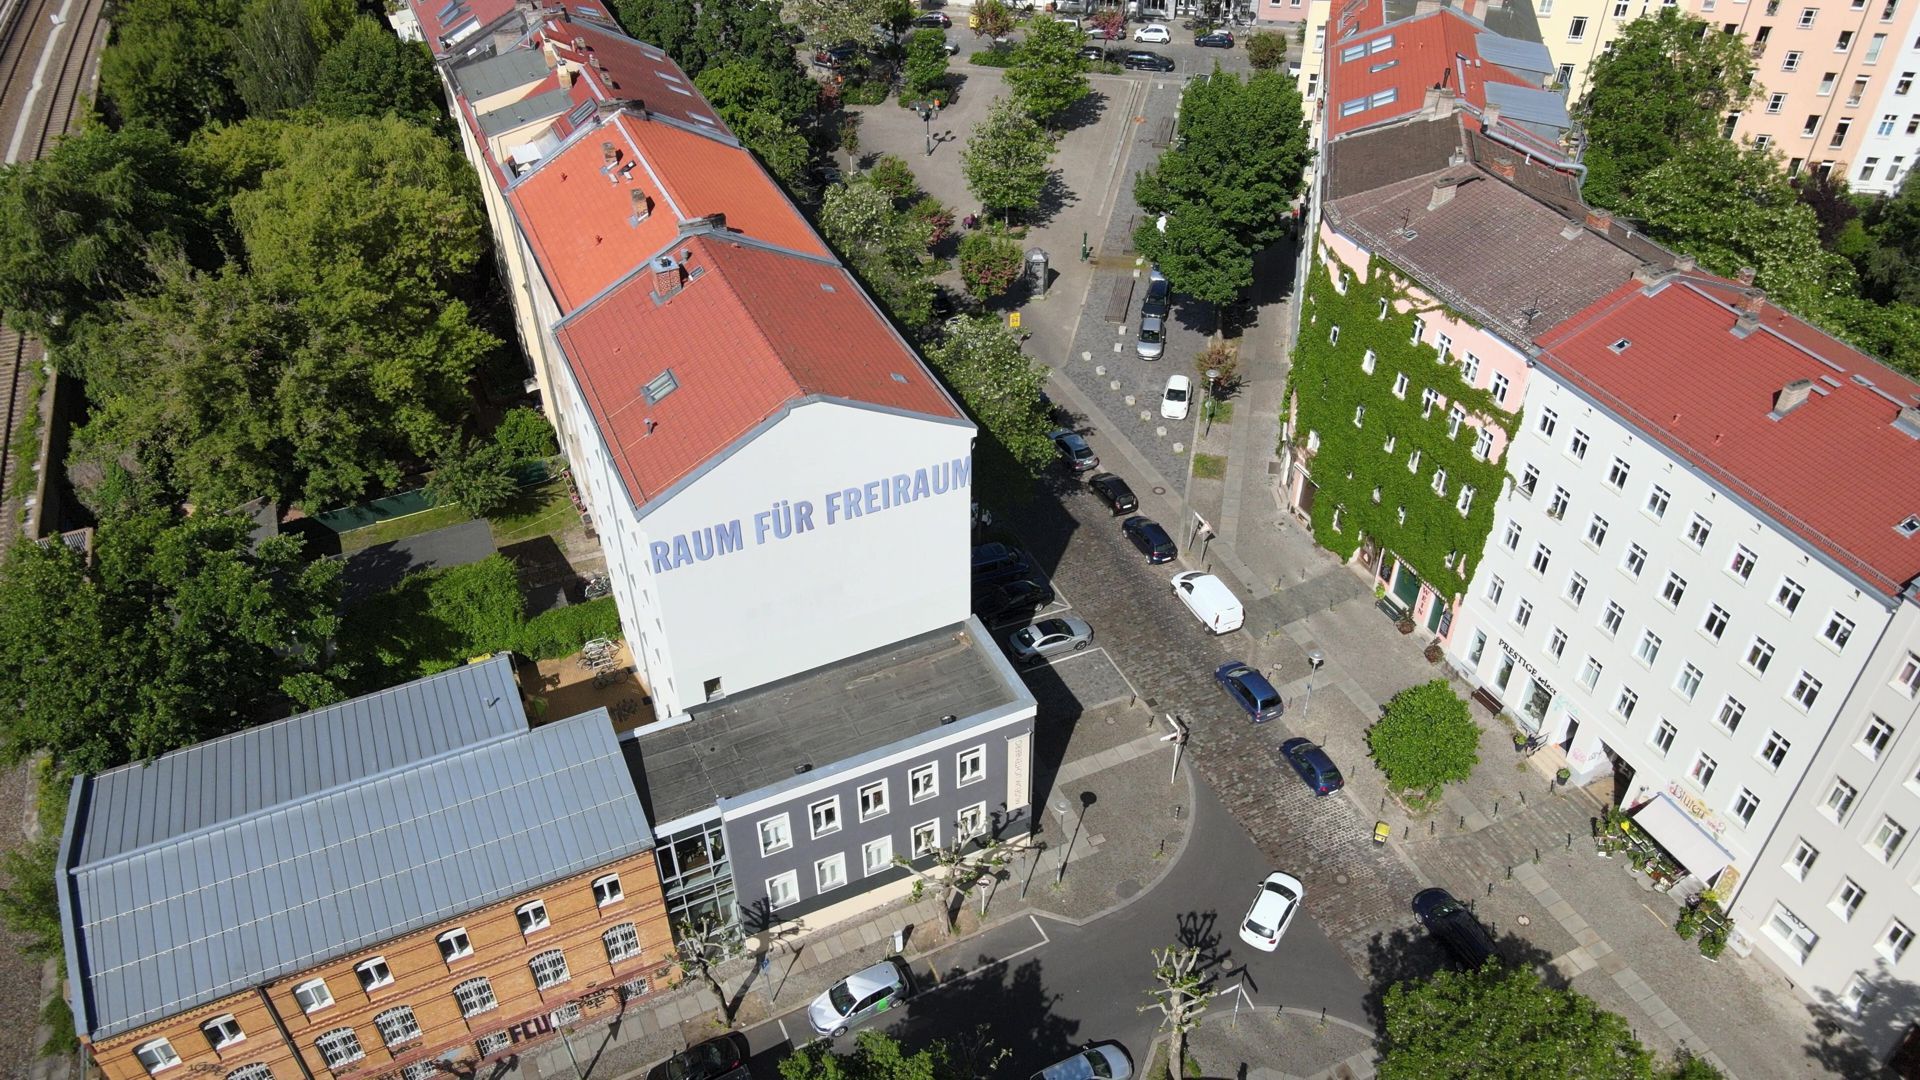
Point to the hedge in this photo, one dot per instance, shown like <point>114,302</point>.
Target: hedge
<point>562,631</point>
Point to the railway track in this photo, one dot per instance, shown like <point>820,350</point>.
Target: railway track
<point>48,52</point>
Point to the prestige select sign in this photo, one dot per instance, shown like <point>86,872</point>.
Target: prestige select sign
<point>791,517</point>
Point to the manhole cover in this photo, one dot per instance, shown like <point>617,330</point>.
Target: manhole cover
<point>1339,879</point>
<point>1525,920</point>
<point>1127,889</point>
<point>1159,491</point>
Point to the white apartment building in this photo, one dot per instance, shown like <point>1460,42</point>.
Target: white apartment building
<point>1892,142</point>
<point>1690,571</point>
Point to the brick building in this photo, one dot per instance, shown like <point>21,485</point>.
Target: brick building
<point>382,887</point>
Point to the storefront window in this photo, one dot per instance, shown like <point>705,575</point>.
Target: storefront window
<point>695,876</point>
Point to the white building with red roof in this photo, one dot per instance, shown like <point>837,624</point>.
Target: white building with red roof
<point>780,485</point>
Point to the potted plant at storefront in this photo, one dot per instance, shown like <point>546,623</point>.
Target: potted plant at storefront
<point>1519,739</point>
<point>1405,625</point>
<point>1562,775</point>
<point>1434,652</point>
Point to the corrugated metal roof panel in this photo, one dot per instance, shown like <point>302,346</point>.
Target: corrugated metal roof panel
<point>478,809</point>
<point>1541,108</point>
<point>1517,56</point>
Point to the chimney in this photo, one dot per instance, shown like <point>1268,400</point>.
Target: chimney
<point>1570,230</point>
<point>1792,396</point>
<point>1599,220</point>
<point>1490,118</point>
<point>1444,188</point>
<point>1646,273</point>
<point>1908,422</point>
<point>579,44</point>
<point>716,222</point>
<point>1751,300</point>
<point>1746,320</point>
<point>609,156</point>
<point>1684,263</point>
<point>1502,167</point>
<point>1439,102</point>
<point>667,276</point>
<point>642,206</point>
<point>1745,276</point>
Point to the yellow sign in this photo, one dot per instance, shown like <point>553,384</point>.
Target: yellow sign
<point>1013,321</point>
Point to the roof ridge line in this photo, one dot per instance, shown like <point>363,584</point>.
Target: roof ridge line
<point>681,236</point>
<point>314,796</point>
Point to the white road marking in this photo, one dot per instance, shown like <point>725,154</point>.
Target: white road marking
<point>47,53</point>
<point>1002,961</point>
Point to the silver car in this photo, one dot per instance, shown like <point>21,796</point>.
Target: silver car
<point>1050,637</point>
<point>863,994</point>
<point>1104,1061</point>
<point>1153,338</point>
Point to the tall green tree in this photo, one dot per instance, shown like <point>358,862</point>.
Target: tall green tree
<point>77,226</point>
<point>1266,49</point>
<point>1426,738</point>
<point>476,477</point>
<point>981,361</point>
<point>1046,75</point>
<point>770,110</point>
<point>1227,190</point>
<point>925,69</point>
<point>167,65</point>
<point>178,629</point>
<point>371,72</point>
<point>1006,159</point>
<point>1504,1025</point>
<point>877,1055</point>
<point>829,22</point>
<point>1731,206</point>
<point>1665,82</point>
<point>274,56</point>
<point>883,244</point>
<point>1890,268</point>
<point>667,24</point>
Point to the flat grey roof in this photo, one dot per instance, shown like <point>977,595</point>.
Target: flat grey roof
<point>525,111</point>
<point>489,76</point>
<point>754,740</point>
<point>281,847</point>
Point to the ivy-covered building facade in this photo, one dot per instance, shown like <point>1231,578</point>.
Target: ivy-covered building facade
<point>1440,251</point>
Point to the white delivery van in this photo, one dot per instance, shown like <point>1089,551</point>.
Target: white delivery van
<point>1210,601</point>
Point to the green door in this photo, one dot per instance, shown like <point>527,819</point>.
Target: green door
<point>1406,588</point>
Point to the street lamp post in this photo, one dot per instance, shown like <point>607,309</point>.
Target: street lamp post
<point>1186,494</point>
<point>1314,660</point>
<point>926,115</point>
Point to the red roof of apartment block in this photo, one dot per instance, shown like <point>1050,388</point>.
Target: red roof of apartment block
<point>1841,469</point>
<point>1392,68</point>
<point>578,210</point>
<point>744,331</point>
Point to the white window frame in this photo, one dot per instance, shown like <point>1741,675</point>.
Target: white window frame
<point>454,945</point>
<point>532,917</point>
<point>340,1046</point>
<point>1838,631</point>
<point>1888,838</point>
<point>1805,691</point>
<point>223,1031</point>
<point>545,974</point>
<point>373,973</point>
<point>1699,530</point>
<point>1895,941</point>
<point>1874,738</point>
<point>1675,590</point>
<point>1745,804</point>
<point>1774,750</point>
<point>827,809</point>
<point>1800,863</point>
<point>1714,624</point>
<point>1787,595</point>
<point>836,862</point>
<point>409,1025</point>
<point>1840,799</point>
<point>932,831</point>
<point>923,782</point>
<point>1648,650</point>
<point>1663,736</point>
<point>1702,771</point>
<point>607,890</point>
<point>1742,563</point>
<point>977,756</point>
<point>1688,682</point>
<point>881,807</point>
<point>1847,899</point>
<point>624,933</point>
<point>1634,561</point>
<point>787,883</point>
<point>1658,500</point>
<point>156,1056</point>
<point>1759,655</point>
<point>880,848</point>
<point>970,822</point>
<point>783,836</point>
<point>312,996</point>
<point>1799,939</point>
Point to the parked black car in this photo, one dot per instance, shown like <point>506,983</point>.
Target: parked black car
<point>1449,921</point>
<point>1114,492</point>
<point>1154,305</point>
<point>721,1058</point>
<point>1020,597</point>
<point>935,19</point>
<point>1146,61</point>
<point>1093,52</point>
<point>1219,39</point>
<point>1150,538</point>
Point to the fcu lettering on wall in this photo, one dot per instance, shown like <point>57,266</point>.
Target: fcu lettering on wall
<point>789,518</point>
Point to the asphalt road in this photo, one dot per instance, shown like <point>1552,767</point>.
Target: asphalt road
<point>1043,987</point>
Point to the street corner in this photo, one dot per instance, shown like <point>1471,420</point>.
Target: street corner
<point>1238,1039</point>
<point>1112,829</point>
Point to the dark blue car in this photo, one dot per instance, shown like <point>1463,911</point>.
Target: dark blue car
<point>1150,538</point>
<point>1250,690</point>
<point>1313,765</point>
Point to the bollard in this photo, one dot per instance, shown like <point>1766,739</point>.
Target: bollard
<point>1509,873</point>
<point>1496,808</point>
<point>1489,888</point>
<point>1536,854</point>
<point>1405,830</point>
<point>1463,821</point>
<point>1430,826</point>
<point>1523,797</point>
<point>1383,804</point>
<point>1569,841</point>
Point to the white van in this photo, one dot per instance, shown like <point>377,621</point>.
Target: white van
<point>1210,601</point>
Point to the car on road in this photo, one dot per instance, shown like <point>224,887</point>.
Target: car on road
<point>1114,492</point>
<point>1453,925</point>
<point>1154,306</point>
<point>935,19</point>
<point>721,1058</point>
<point>989,559</point>
<point>1154,34</point>
<point>1146,61</point>
<point>1313,765</point>
<point>1272,910</point>
<point>837,56</point>
<point>1250,690</point>
<point>1152,341</point>
<point>1093,53</point>
<point>860,996</point>
<point>1102,1061</point>
<point>1068,19</point>
<point>1210,601</point>
<point>1219,39</point>
<point>1074,450</point>
<point>1150,538</point>
<point>1118,32</point>
<point>1175,399</point>
<point>1048,638</point>
<point>1018,597</point>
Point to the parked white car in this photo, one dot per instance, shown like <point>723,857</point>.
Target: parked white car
<point>1175,399</point>
<point>1153,34</point>
<point>1272,910</point>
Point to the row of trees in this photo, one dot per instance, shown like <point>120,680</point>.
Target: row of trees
<point>1652,118</point>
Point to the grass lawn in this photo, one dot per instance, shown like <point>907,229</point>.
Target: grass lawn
<point>385,532</point>
<point>1222,411</point>
<point>539,510</point>
<point>1210,466</point>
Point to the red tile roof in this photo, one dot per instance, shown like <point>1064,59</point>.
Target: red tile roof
<point>578,217</point>
<point>752,331</point>
<point>1834,471</point>
<point>1429,51</point>
<point>627,70</point>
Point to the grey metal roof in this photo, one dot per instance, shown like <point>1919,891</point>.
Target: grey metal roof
<point>832,715</point>
<point>244,898</point>
<point>525,111</point>
<point>1518,56</point>
<point>483,78</point>
<point>246,772</point>
<point>1542,112</point>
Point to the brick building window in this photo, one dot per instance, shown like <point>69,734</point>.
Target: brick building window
<point>339,1047</point>
<point>623,943</point>
<point>475,996</point>
<point>549,969</point>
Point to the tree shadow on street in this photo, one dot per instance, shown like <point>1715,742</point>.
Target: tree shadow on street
<point>1015,1004</point>
<point>1055,196</point>
<point>1083,113</point>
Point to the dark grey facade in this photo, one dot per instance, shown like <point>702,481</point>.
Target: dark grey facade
<point>1002,814</point>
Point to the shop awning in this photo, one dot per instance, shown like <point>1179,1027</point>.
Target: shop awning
<point>1674,829</point>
